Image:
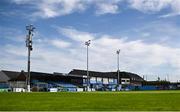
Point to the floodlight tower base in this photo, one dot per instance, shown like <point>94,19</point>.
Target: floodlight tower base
<point>28,88</point>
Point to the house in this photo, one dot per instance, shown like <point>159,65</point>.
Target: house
<point>14,81</point>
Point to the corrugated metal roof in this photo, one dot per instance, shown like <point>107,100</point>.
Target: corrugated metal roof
<point>106,74</point>
<point>11,74</point>
<point>3,77</point>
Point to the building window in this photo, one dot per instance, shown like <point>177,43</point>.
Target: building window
<point>111,80</point>
<point>99,79</point>
<point>105,80</point>
<point>93,80</point>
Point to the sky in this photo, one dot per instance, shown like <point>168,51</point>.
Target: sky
<point>146,31</point>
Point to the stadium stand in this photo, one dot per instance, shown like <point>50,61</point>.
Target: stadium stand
<point>76,80</point>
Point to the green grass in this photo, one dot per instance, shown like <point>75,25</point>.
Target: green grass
<point>106,101</point>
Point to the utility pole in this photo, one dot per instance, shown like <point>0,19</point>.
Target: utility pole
<point>118,52</point>
<point>30,30</point>
<point>87,43</point>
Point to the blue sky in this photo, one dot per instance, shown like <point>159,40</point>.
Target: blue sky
<point>146,31</point>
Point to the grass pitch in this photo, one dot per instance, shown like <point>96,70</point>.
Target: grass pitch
<point>92,101</point>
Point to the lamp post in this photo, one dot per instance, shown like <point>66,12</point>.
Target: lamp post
<point>118,52</point>
<point>30,30</point>
<point>87,43</point>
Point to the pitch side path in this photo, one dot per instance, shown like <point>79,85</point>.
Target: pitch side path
<point>92,101</point>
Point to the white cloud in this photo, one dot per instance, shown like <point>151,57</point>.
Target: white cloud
<point>12,34</point>
<point>175,5</point>
<point>15,50</point>
<point>104,7</point>
<point>154,32</point>
<point>149,5</point>
<point>54,8</point>
<point>76,35</point>
<point>60,43</point>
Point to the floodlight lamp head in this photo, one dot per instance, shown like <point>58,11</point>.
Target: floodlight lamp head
<point>87,42</point>
<point>31,48</point>
<point>30,28</point>
<point>118,51</point>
